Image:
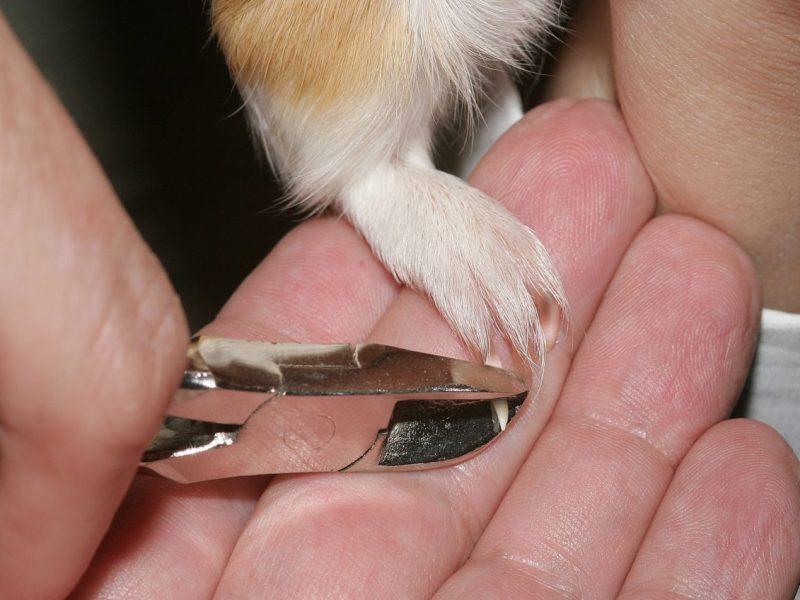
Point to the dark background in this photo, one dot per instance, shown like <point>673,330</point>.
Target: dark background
<point>151,94</point>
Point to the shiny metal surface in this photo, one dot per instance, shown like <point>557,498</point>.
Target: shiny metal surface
<point>252,408</point>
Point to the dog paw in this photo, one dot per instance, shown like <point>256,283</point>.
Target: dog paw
<point>485,271</point>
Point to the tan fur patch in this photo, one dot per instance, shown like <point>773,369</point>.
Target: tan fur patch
<point>315,51</point>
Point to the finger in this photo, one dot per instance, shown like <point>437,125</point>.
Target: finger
<point>663,360</point>
<point>93,341</point>
<point>322,284</point>
<point>711,94</point>
<point>569,171</point>
<point>729,526</point>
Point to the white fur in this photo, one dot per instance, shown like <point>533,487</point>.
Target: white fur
<point>371,161</point>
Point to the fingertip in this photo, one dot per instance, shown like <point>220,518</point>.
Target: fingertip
<point>321,283</point>
<point>751,449</point>
<point>147,359</point>
<point>568,169</point>
<point>674,337</point>
<point>718,275</point>
<point>734,501</point>
<point>729,524</point>
<point>569,142</point>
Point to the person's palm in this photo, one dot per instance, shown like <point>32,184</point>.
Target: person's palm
<point>614,476</point>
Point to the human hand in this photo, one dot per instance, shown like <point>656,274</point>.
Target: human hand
<point>661,359</point>
<point>632,485</point>
<point>93,341</point>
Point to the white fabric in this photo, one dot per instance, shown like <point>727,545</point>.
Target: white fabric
<point>773,393</point>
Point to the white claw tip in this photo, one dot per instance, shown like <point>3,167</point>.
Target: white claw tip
<point>500,408</point>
